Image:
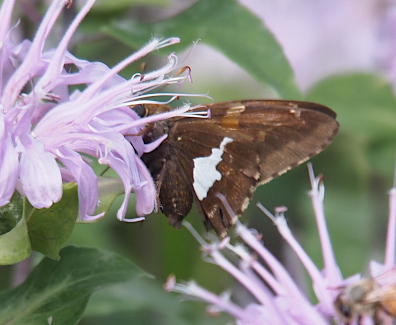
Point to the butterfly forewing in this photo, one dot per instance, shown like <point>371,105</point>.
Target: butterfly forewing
<point>243,144</point>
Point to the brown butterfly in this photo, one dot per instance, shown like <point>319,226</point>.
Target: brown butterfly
<point>243,145</point>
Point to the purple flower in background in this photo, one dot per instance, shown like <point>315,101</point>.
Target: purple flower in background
<point>322,38</point>
<point>386,53</point>
<point>276,297</point>
<point>44,130</point>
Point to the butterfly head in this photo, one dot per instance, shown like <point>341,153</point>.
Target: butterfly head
<point>150,109</point>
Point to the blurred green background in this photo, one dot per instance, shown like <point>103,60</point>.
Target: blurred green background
<point>237,57</point>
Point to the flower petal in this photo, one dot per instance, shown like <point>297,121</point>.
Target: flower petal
<point>40,175</point>
<point>86,179</point>
<point>9,167</point>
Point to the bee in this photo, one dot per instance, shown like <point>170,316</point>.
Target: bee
<point>373,297</point>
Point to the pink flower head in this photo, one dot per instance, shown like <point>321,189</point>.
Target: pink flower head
<point>276,297</point>
<point>44,131</point>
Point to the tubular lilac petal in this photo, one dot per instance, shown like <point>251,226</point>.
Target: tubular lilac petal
<point>304,307</point>
<point>40,175</point>
<point>58,58</point>
<point>149,119</point>
<point>5,18</point>
<point>316,194</point>
<point>95,87</point>
<point>9,169</point>
<point>86,179</point>
<point>279,299</point>
<point>390,249</point>
<point>44,132</point>
<point>284,304</point>
<point>194,290</point>
<point>19,79</point>
<point>146,196</point>
<point>320,284</point>
<point>153,145</point>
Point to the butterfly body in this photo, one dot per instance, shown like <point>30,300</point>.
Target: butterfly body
<point>243,145</point>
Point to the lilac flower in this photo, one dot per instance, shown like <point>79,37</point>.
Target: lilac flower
<point>277,298</point>
<point>44,132</point>
<point>386,49</point>
<point>338,36</point>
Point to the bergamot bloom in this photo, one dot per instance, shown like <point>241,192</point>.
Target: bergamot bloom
<point>276,297</point>
<point>47,131</point>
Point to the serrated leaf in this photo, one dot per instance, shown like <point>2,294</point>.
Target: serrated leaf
<point>230,28</point>
<point>49,229</point>
<point>58,292</point>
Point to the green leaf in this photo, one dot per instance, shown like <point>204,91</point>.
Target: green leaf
<point>366,109</point>
<point>146,302</point>
<point>109,189</point>
<point>49,229</point>
<point>58,292</point>
<point>365,104</point>
<point>15,245</point>
<point>11,213</point>
<point>14,241</point>
<point>228,27</point>
<point>114,5</point>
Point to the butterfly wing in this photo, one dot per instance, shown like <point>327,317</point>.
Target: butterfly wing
<point>245,144</point>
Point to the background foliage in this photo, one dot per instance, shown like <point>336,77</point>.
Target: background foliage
<point>358,169</point>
